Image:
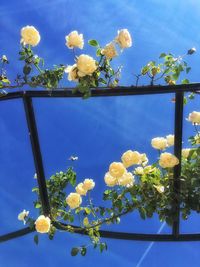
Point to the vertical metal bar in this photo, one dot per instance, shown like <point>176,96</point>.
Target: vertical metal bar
<point>33,133</point>
<point>178,128</point>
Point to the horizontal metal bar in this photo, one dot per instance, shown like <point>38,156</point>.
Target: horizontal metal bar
<point>99,92</point>
<point>16,234</point>
<point>115,235</point>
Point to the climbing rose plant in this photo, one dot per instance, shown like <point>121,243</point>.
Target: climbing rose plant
<point>133,184</point>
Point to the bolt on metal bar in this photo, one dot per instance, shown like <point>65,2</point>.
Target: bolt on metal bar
<point>178,126</point>
<point>30,117</point>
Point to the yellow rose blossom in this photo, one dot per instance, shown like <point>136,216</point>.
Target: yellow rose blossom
<point>22,215</point>
<point>30,36</point>
<point>127,179</point>
<point>144,159</point>
<point>167,160</point>
<point>117,169</point>
<point>110,180</point>
<point>130,158</point>
<point>72,73</point>
<point>124,38</point>
<point>81,190</point>
<point>88,184</point>
<point>194,117</point>
<point>42,224</point>
<point>139,171</point>
<point>170,140</point>
<point>74,40</point>
<point>86,65</point>
<point>159,143</point>
<point>109,51</point>
<point>74,200</point>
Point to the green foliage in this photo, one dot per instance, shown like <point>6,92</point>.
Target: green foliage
<point>169,68</point>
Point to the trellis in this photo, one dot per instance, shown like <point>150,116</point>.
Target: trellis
<point>178,90</point>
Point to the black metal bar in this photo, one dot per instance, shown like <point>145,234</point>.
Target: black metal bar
<point>115,235</point>
<point>30,117</point>
<point>99,92</point>
<point>16,234</point>
<point>178,126</point>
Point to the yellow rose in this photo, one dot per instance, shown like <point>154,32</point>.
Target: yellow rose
<point>72,73</point>
<point>194,117</point>
<point>130,158</point>
<point>117,169</point>
<point>42,224</point>
<point>127,179</point>
<point>110,180</point>
<point>74,200</point>
<point>185,152</point>
<point>74,40</point>
<point>88,184</point>
<point>170,140</point>
<point>139,171</point>
<point>159,143</point>
<point>144,159</point>
<point>159,188</point>
<point>22,215</point>
<point>81,190</point>
<point>167,160</point>
<point>109,51</point>
<point>124,39</point>
<point>30,36</point>
<point>86,65</point>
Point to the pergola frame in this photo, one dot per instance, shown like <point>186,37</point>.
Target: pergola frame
<point>178,90</point>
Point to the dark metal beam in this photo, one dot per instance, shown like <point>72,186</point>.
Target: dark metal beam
<point>178,126</point>
<point>104,91</point>
<point>16,234</point>
<point>30,117</point>
<point>114,235</point>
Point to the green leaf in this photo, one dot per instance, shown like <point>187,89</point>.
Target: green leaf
<point>102,81</point>
<point>35,189</point>
<point>144,70</point>
<point>26,70</point>
<point>188,70</point>
<point>36,239</point>
<point>98,52</point>
<point>185,100</point>
<point>103,246</point>
<point>74,251</point>
<point>38,205</point>
<point>83,251</point>
<point>93,43</point>
<point>162,55</point>
<point>185,81</point>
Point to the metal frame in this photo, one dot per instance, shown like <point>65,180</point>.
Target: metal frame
<point>179,91</point>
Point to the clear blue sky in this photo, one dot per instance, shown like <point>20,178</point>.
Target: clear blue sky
<point>99,130</point>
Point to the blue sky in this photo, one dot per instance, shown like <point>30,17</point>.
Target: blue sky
<point>96,130</point>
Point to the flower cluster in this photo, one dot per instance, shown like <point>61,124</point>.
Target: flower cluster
<point>146,188</point>
<point>89,72</point>
<point>74,200</point>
